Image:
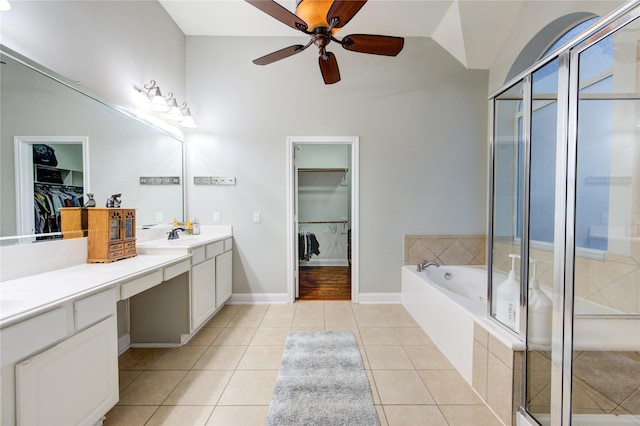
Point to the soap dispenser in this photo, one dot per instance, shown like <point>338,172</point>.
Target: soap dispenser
<point>508,298</point>
<point>539,311</point>
<point>196,227</point>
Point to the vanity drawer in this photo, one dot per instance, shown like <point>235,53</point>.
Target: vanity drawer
<point>32,335</point>
<point>228,244</point>
<point>175,270</point>
<point>94,308</point>
<point>214,249</point>
<point>138,285</point>
<point>197,255</point>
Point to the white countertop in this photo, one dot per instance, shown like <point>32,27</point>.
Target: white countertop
<point>184,241</point>
<point>24,297</point>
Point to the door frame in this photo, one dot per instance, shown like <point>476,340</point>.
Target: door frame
<point>23,149</point>
<point>292,219</point>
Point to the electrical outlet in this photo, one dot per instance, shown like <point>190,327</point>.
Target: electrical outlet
<point>159,217</point>
<point>256,217</point>
<point>216,217</point>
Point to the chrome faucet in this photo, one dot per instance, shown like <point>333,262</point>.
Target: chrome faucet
<point>173,235</point>
<point>425,264</point>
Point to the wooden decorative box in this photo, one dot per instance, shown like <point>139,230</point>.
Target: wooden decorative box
<point>74,222</point>
<point>112,234</point>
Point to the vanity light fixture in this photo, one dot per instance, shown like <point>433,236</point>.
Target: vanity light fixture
<point>174,113</point>
<point>158,103</point>
<point>188,120</point>
<point>167,105</point>
<point>4,5</point>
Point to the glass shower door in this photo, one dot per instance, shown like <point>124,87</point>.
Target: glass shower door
<point>508,158</point>
<point>606,272</point>
<point>542,250</point>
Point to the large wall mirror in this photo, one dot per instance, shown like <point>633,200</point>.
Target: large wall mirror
<point>112,150</point>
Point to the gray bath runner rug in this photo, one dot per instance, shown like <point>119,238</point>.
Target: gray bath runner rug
<point>322,381</point>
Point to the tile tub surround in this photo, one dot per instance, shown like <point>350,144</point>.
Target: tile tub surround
<point>226,374</point>
<point>446,249</point>
<point>497,374</point>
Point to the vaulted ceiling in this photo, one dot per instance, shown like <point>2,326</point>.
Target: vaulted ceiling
<point>473,31</point>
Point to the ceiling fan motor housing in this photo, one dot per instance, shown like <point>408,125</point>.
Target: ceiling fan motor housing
<point>314,13</point>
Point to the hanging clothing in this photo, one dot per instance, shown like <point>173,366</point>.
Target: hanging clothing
<point>307,245</point>
<point>48,199</point>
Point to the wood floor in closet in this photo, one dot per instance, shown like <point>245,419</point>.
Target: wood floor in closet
<point>325,283</point>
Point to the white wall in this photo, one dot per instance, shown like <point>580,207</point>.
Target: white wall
<point>533,18</point>
<point>107,46</point>
<point>421,119</point>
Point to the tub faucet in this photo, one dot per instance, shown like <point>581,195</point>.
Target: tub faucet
<point>425,264</point>
<point>173,234</point>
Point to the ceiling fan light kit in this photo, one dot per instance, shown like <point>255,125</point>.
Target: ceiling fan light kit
<point>321,19</point>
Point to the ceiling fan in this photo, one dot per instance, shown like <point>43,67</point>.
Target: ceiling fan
<point>321,19</point>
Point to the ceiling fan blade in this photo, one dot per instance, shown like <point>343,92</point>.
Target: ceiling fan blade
<point>329,68</point>
<point>344,10</point>
<point>374,44</point>
<point>279,54</point>
<point>280,13</point>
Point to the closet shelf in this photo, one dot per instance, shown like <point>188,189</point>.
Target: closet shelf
<point>323,170</point>
<point>323,221</point>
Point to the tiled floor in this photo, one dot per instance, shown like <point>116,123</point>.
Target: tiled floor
<point>226,374</point>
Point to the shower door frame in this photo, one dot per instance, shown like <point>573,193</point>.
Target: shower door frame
<point>564,234</point>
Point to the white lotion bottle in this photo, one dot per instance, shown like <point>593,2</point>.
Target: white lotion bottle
<point>539,311</point>
<point>508,298</point>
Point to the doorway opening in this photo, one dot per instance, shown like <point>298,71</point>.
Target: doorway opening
<point>51,172</point>
<point>322,212</point>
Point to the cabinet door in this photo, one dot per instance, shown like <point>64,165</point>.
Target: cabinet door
<point>224,267</point>
<point>203,292</point>
<point>73,383</point>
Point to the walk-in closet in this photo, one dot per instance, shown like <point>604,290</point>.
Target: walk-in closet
<point>324,221</point>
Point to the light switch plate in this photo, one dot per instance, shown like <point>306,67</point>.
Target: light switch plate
<point>216,217</point>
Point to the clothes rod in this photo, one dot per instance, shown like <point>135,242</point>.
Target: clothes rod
<point>323,170</point>
<point>325,221</point>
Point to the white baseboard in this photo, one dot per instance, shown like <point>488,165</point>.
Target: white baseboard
<point>380,298</point>
<point>258,298</point>
<point>123,343</point>
<point>283,298</point>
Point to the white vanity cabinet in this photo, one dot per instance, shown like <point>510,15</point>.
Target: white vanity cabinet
<point>203,291</point>
<point>61,366</point>
<point>210,280</point>
<point>224,268</point>
<point>73,383</point>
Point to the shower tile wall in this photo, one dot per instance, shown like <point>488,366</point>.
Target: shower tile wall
<point>446,249</point>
